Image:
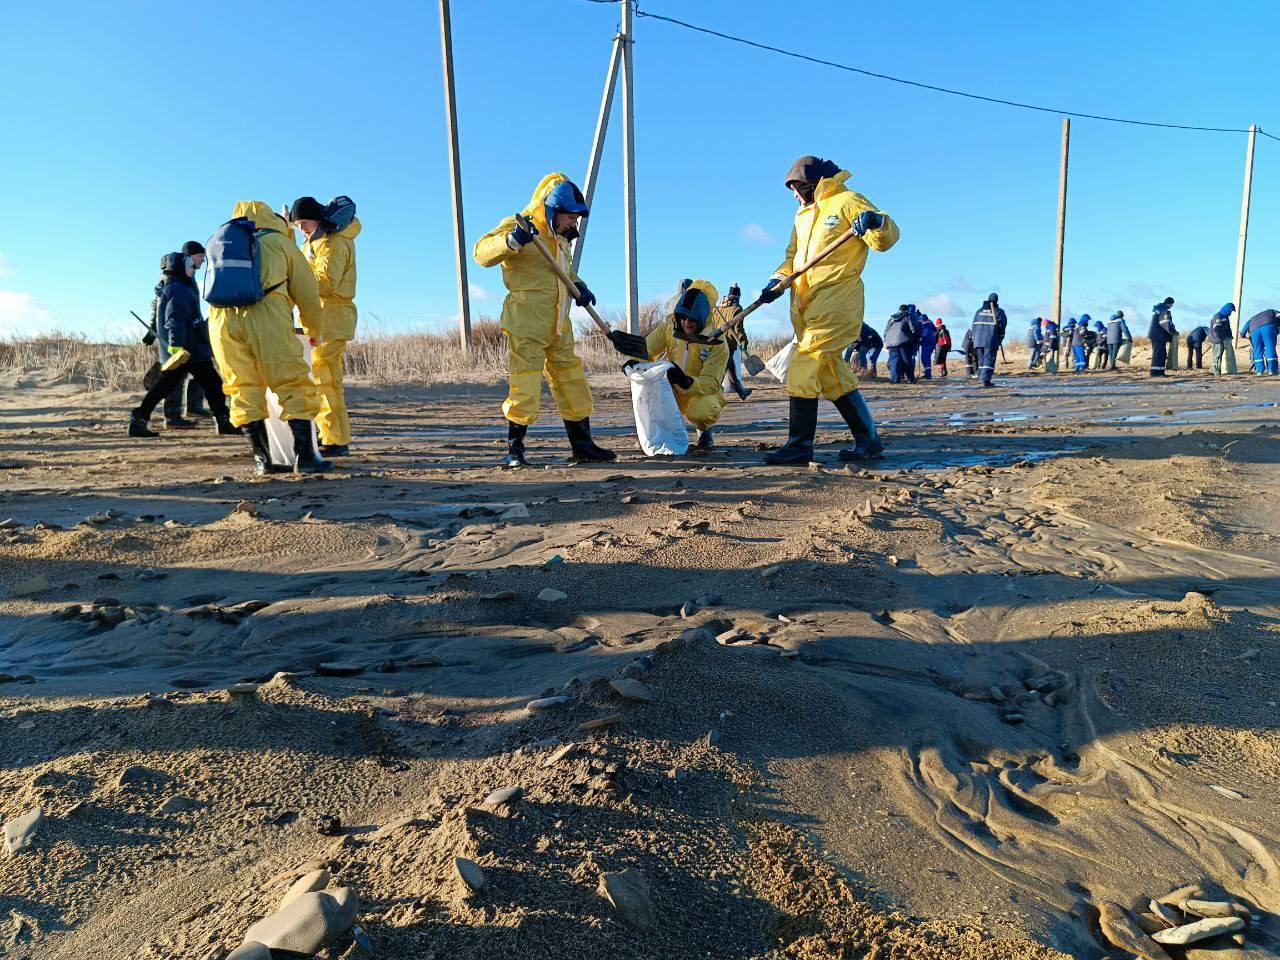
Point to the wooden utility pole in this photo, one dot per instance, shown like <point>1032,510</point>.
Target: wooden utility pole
<point>455,174</point>
<point>1244,233</point>
<point>597,146</point>
<point>1062,222</point>
<point>629,168</point>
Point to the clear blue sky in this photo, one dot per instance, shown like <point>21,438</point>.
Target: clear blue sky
<point>130,128</point>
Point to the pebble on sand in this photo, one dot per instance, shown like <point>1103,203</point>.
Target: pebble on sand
<point>1119,928</point>
<point>175,804</point>
<point>307,923</point>
<point>28,587</point>
<point>21,831</point>
<point>1200,930</point>
<point>545,703</point>
<point>308,883</point>
<point>469,872</point>
<point>628,892</point>
<point>552,595</point>
<point>632,690</point>
<point>768,572</point>
<point>504,797</point>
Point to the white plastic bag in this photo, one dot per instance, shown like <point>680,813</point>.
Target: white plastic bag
<point>659,423</point>
<point>735,364</point>
<point>780,362</point>
<point>279,436</point>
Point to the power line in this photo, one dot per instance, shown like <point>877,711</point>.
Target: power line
<point>928,86</point>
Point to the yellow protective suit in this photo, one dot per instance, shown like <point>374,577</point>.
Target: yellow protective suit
<point>535,317</point>
<point>827,302</point>
<point>255,346</point>
<point>701,403</point>
<point>333,260</point>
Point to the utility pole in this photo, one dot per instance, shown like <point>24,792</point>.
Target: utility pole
<point>1244,232</point>
<point>1062,222</point>
<point>629,168</point>
<point>597,146</point>
<point>455,174</point>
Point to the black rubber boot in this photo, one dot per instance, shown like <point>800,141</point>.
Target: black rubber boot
<point>308,461</point>
<point>798,450</point>
<point>225,427</point>
<point>335,450</point>
<point>256,431</point>
<point>515,444</point>
<point>199,411</point>
<point>179,423</point>
<point>705,440</point>
<point>586,450</point>
<point>138,427</point>
<point>866,440</point>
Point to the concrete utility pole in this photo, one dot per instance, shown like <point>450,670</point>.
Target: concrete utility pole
<point>1244,232</point>
<point>629,168</point>
<point>1062,222</point>
<point>455,173</point>
<point>597,146</point>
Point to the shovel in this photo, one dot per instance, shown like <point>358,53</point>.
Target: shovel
<point>787,281</point>
<point>628,344</point>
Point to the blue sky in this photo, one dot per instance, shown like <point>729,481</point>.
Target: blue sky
<point>132,128</point>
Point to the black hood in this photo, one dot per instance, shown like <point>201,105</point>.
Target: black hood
<point>810,169</point>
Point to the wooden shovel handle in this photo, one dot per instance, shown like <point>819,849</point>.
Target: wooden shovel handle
<point>572,287</point>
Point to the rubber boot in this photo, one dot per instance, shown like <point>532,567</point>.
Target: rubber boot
<point>179,423</point>
<point>798,450</point>
<point>586,450</point>
<point>256,431</point>
<point>226,428</point>
<point>515,444</point>
<point>705,440</point>
<point>304,449</point>
<point>138,427</point>
<point>866,440</point>
<point>335,450</point>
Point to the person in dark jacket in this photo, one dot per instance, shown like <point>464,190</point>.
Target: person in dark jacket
<point>928,344</point>
<point>1079,331</point>
<point>970,354</point>
<point>943,348</point>
<point>989,325</point>
<point>898,338</point>
<point>867,347</point>
<point>1117,333</point>
<point>1050,345</point>
<point>186,389</point>
<point>1221,340</point>
<point>1262,330</point>
<point>185,331</point>
<point>1161,333</point>
<point>913,348</point>
<point>1195,347</point>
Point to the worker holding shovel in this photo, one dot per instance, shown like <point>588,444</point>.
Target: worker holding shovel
<point>534,253</point>
<point>826,304</point>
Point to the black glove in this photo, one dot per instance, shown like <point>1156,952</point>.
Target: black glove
<point>679,378</point>
<point>867,220</point>
<point>626,367</point>
<point>770,291</point>
<point>520,236</point>
<point>585,297</point>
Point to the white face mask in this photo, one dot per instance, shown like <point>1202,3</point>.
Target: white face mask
<point>190,266</point>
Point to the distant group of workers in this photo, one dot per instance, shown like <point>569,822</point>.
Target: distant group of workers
<point>255,276</point>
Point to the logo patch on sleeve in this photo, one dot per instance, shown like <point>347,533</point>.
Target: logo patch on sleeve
<point>703,354</point>
<point>832,221</point>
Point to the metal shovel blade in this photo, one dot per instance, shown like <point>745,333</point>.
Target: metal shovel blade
<point>754,364</point>
<point>629,344</point>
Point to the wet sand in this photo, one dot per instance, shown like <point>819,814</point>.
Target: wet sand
<point>1026,662</point>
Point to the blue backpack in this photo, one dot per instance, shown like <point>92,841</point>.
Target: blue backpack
<point>339,212</point>
<point>232,277</point>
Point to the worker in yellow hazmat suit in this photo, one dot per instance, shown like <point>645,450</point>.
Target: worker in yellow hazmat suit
<point>697,377</point>
<point>331,251</point>
<point>535,318</point>
<point>257,350</point>
<point>827,304</point>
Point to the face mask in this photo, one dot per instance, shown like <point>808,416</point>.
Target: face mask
<point>570,233</point>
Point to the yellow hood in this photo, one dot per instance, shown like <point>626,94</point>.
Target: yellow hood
<point>537,209</point>
<point>829,186</point>
<point>351,230</point>
<point>263,217</point>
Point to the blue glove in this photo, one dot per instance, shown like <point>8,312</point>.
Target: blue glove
<point>520,236</point>
<point>867,220</point>
<point>585,297</point>
<point>770,292</point>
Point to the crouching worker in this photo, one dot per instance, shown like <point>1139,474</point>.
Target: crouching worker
<point>827,305</point>
<point>186,337</point>
<point>535,319</point>
<point>257,275</point>
<point>697,372</point>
